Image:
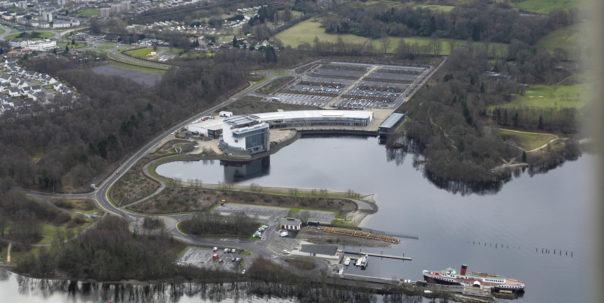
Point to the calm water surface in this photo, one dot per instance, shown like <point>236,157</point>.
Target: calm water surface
<point>503,232</point>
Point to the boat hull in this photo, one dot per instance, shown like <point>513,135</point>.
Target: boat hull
<point>435,280</point>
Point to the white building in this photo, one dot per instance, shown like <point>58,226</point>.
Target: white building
<point>36,45</point>
<point>47,16</point>
<point>245,133</point>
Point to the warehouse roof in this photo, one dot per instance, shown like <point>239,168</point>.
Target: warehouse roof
<point>240,121</point>
<point>246,120</point>
<point>309,114</point>
<point>392,120</point>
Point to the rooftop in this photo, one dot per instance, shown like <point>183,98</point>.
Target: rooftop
<point>392,120</point>
<point>290,221</point>
<point>240,121</point>
<point>301,114</point>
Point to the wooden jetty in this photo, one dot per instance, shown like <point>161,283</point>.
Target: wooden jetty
<point>379,255</point>
<point>359,234</point>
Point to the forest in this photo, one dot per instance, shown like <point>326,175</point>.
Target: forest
<point>475,21</point>
<point>213,225</point>
<point>449,119</point>
<point>67,149</point>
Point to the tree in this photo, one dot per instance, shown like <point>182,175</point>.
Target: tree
<point>435,46</point>
<point>385,44</point>
<point>524,156</point>
<point>235,42</point>
<point>540,124</point>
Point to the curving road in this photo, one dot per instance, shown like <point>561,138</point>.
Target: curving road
<point>101,194</point>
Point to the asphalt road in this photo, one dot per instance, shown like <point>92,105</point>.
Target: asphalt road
<point>101,194</point>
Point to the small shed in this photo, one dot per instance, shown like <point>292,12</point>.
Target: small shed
<point>290,224</point>
<point>225,114</point>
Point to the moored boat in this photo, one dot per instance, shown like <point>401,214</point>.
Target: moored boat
<point>495,283</point>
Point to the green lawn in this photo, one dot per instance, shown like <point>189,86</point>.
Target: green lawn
<point>543,6</point>
<point>1,31</point>
<point>442,8</point>
<point>89,12</point>
<point>526,140</point>
<point>49,231</point>
<point>29,35</point>
<point>551,96</point>
<point>140,52</point>
<point>566,39</point>
<point>399,5</point>
<point>136,65</point>
<point>305,32</point>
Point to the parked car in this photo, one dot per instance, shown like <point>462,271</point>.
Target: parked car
<point>214,249</point>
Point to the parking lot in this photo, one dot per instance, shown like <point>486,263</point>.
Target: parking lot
<point>203,257</point>
<point>362,103</point>
<point>300,99</point>
<point>344,85</point>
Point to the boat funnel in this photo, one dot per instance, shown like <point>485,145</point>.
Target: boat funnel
<point>464,267</point>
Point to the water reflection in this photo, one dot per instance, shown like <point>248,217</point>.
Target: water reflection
<point>239,172</point>
<point>242,171</point>
<point>16,288</point>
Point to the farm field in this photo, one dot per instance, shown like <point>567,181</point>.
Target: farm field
<point>394,4</point>
<point>305,32</point>
<point>550,96</point>
<point>90,12</point>
<point>565,38</point>
<point>140,52</point>
<point>543,6</point>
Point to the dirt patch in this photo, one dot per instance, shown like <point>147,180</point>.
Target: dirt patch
<point>178,199</point>
<point>272,86</point>
<point>78,204</point>
<point>134,185</point>
<point>316,236</point>
<point>182,199</point>
<point>301,263</point>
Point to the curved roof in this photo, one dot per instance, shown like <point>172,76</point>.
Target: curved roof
<point>317,114</point>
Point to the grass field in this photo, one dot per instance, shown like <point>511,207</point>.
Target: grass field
<point>305,32</point>
<point>29,35</point>
<point>566,39</point>
<point>551,96</point>
<point>49,231</point>
<point>140,52</point>
<point>543,6</point>
<point>526,140</point>
<point>89,12</point>
<point>139,66</point>
<point>399,5</point>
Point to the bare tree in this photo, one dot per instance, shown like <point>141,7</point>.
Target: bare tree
<point>385,44</point>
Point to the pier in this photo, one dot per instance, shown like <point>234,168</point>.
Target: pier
<point>359,234</point>
<point>379,255</point>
